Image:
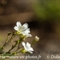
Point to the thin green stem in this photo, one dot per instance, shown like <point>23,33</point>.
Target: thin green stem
<point>7,42</point>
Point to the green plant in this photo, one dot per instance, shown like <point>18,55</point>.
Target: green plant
<point>22,31</point>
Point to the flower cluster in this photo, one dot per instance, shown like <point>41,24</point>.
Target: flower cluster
<point>22,31</point>
<point>25,31</point>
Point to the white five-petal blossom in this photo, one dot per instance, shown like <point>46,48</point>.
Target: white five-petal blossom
<point>28,47</point>
<point>23,29</point>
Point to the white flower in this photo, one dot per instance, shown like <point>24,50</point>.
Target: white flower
<point>22,29</point>
<point>27,47</point>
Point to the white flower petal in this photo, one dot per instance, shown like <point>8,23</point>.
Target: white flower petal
<point>16,28</point>
<point>18,24</point>
<point>27,31</point>
<point>25,26</point>
<point>23,44</point>
<point>28,44</point>
<point>28,35</point>
<point>31,49</point>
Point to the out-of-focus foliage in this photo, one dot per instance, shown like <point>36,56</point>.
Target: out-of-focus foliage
<point>47,9</point>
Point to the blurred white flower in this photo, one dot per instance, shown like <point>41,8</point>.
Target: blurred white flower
<point>28,47</point>
<point>23,29</point>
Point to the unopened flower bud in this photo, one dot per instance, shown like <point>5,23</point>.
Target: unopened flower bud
<point>36,38</point>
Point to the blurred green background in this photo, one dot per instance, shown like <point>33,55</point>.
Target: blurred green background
<point>47,9</point>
